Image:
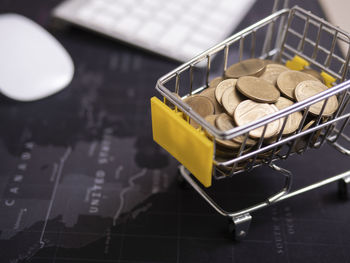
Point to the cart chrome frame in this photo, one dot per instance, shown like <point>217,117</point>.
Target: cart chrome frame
<point>283,43</point>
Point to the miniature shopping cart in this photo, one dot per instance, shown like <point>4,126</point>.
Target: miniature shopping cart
<point>292,36</point>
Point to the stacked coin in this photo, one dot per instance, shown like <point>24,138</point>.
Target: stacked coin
<point>253,89</point>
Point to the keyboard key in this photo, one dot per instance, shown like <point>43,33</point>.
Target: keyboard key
<point>116,11</point>
<point>177,28</point>
<point>174,36</point>
<point>141,13</point>
<point>163,18</point>
<point>85,13</point>
<point>173,8</point>
<point>202,40</point>
<point>127,25</point>
<point>191,20</point>
<point>199,10</point>
<point>150,31</point>
<point>151,3</point>
<point>104,21</point>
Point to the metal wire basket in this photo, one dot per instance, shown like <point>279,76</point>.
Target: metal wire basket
<point>292,36</point>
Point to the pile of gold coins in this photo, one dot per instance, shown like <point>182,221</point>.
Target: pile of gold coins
<point>251,90</point>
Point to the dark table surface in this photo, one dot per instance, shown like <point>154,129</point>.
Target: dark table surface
<point>81,179</point>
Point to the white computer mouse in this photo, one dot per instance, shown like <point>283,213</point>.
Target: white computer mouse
<point>33,64</point>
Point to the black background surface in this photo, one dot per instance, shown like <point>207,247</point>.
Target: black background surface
<point>90,147</point>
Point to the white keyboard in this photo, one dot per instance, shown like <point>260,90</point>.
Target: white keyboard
<point>179,29</point>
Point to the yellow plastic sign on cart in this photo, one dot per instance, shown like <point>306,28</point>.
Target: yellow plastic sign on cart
<point>298,63</point>
<point>188,145</point>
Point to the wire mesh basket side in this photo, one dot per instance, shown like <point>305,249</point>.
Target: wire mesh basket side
<point>280,37</point>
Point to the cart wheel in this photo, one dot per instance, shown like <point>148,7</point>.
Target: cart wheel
<point>232,230</point>
<point>343,189</point>
<point>234,235</point>
<point>238,227</point>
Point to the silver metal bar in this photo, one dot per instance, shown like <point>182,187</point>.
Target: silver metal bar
<point>223,212</point>
<point>341,129</point>
<point>191,80</point>
<point>287,185</point>
<point>314,53</point>
<point>240,152</point>
<point>327,70</point>
<point>316,124</point>
<point>317,20</point>
<point>306,28</point>
<point>277,140</point>
<point>208,70</point>
<point>177,84</point>
<point>252,163</point>
<point>252,50</point>
<point>268,37</point>
<point>241,47</point>
<point>315,185</point>
<point>281,142</point>
<point>344,136</point>
<point>346,65</point>
<point>331,51</point>
<point>343,106</point>
<point>341,149</point>
<point>226,57</point>
<point>301,125</point>
<point>313,43</point>
<point>284,37</point>
<point>344,102</point>
<point>272,200</point>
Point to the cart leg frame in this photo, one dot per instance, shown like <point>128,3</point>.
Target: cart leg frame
<point>240,220</point>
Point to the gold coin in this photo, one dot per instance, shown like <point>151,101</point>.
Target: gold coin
<point>210,94</point>
<point>309,88</point>
<point>225,154</point>
<point>280,120</point>
<point>269,61</point>
<point>268,153</point>
<point>230,99</point>
<point>214,82</point>
<point>302,141</point>
<point>317,133</point>
<point>211,119</point>
<point>308,125</point>
<point>248,111</point>
<point>271,140</point>
<point>272,71</point>
<point>258,89</point>
<point>201,105</point>
<point>228,144</point>
<point>313,73</point>
<point>222,86</point>
<point>225,122</point>
<point>293,120</point>
<point>288,80</point>
<point>249,67</point>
